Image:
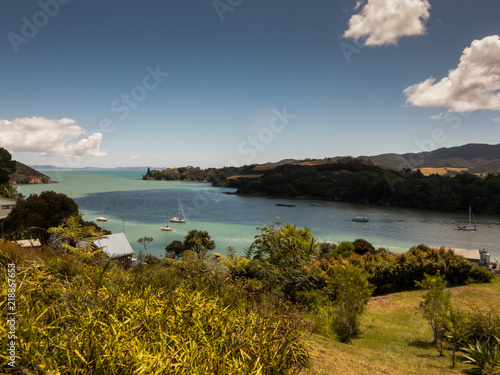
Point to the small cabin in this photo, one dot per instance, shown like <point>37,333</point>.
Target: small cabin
<point>117,247</point>
<point>6,205</point>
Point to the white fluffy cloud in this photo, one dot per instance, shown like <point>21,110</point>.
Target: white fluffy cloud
<point>48,137</point>
<point>135,156</point>
<point>383,22</point>
<point>474,84</point>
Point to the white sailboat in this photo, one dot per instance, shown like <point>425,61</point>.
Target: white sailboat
<point>166,228</point>
<point>180,218</point>
<point>469,226</point>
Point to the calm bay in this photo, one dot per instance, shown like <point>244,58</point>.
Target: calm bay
<point>139,208</point>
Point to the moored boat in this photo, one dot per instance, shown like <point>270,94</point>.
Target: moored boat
<point>360,219</point>
<point>469,226</point>
<point>179,218</point>
<point>166,228</point>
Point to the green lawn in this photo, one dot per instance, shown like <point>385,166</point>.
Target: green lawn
<point>395,338</point>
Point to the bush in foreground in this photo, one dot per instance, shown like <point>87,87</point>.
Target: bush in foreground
<point>96,320</point>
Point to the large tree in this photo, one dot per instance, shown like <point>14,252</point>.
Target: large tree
<point>33,216</point>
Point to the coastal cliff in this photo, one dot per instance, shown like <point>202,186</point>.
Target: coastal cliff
<point>27,175</point>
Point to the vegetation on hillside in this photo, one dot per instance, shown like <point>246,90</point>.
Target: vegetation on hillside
<point>189,174</point>
<point>81,316</point>
<point>14,172</point>
<point>352,180</point>
<point>80,313</point>
<point>27,175</point>
<point>357,182</point>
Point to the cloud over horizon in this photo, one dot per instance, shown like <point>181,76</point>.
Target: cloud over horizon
<point>473,85</point>
<point>48,137</point>
<point>384,22</point>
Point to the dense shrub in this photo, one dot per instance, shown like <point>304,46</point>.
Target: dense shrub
<point>151,319</point>
<point>480,275</point>
<point>391,272</point>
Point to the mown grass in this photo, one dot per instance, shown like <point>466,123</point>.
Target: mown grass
<point>395,337</point>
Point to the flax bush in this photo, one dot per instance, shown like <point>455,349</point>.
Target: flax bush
<point>98,321</point>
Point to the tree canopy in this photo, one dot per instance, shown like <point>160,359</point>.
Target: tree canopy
<point>33,216</point>
<point>199,241</point>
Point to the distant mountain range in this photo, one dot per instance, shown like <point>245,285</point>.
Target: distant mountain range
<point>473,158</point>
<point>477,158</point>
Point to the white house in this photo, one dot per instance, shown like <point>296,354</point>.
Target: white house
<point>6,205</point>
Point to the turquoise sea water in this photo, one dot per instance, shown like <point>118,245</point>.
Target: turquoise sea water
<point>139,208</point>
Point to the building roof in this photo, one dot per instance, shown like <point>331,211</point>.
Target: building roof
<point>29,243</point>
<point>4,200</point>
<point>471,254</point>
<point>115,245</point>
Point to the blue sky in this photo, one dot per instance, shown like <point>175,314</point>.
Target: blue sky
<point>232,82</point>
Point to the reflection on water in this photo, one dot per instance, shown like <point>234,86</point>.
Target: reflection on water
<point>140,208</point>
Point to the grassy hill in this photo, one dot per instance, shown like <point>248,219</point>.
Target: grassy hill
<point>473,157</point>
<point>396,339</point>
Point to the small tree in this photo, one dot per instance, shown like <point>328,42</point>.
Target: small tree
<point>200,242</point>
<point>145,241</point>
<point>458,332</point>
<point>352,290</point>
<point>362,247</point>
<point>174,250</point>
<point>436,306</point>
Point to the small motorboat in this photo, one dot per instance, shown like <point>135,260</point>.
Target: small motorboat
<point>360,219</point>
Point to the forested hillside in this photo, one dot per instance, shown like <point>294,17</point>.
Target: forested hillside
<point>353,181</point>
